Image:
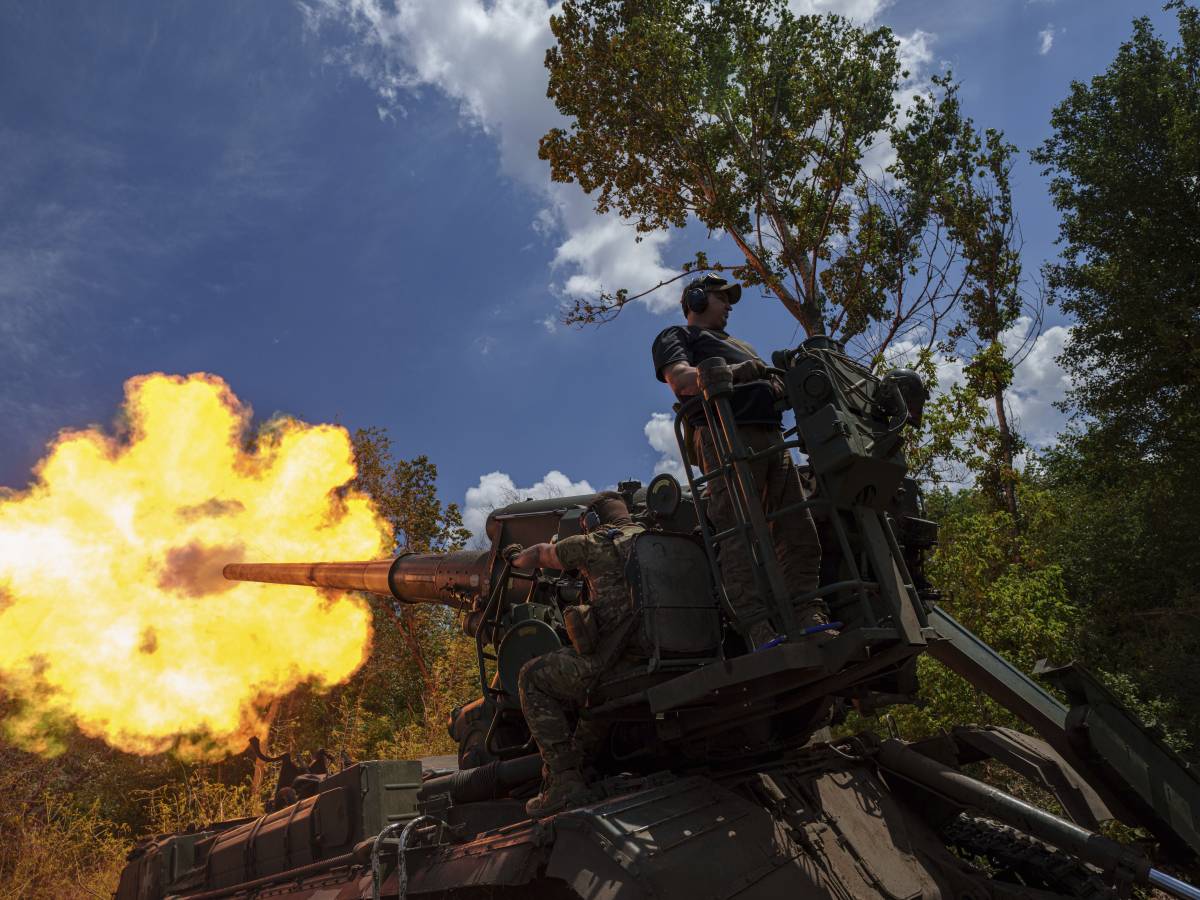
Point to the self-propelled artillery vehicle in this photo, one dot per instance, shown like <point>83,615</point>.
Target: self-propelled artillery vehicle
<point>719,777</point>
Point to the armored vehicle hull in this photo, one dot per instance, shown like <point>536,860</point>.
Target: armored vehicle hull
<point>818,825</point>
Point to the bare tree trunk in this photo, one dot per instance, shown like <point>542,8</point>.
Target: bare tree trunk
<point>409,632</point>
<point>260,767</point>
<point>1008,481</point>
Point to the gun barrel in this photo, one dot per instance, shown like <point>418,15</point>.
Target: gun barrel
<point>446,579</point>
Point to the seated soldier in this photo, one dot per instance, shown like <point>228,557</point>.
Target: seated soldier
<point>554,687</point>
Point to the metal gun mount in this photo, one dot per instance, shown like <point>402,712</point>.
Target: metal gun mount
<point>849,422</point>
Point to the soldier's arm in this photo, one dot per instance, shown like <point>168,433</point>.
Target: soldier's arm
<point>683,379</point>
<point>539,556</point>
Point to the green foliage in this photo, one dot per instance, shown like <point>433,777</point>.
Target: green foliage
<point>60,835</point>
<point>456,677</point>
<point>965,436</point>
<point>997,580</point>
<point>405,492</point>
<point>1128,551</point>
<point>1125,161</point>
<point>783,132</point>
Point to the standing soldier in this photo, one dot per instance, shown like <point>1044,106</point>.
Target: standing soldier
<point>678,350</point>
<point>555,686</point>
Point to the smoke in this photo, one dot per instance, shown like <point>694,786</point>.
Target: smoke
<point>195,570</point>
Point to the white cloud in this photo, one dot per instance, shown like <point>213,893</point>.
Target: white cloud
<point>497,489</point>
<point>487,55</point>
<point>915,54</point>
<point>1046,39</point>
<point>904,353</point>
<point>1038,383</point>
<point>604,255</point>
<point>859,10</point>
<point>660,432</point>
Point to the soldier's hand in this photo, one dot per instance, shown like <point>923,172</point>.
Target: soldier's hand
<point>526,557</point>
<point>510,551</point>
<point>750,370</point>
<point>538,556</point>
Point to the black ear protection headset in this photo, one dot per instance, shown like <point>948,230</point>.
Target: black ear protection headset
<point>589,521</point>
<point>696,297</point>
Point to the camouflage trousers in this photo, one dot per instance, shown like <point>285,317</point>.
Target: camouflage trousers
<point>553,688</point>
<point>794,536</point>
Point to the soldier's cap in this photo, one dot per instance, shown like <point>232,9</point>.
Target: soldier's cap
<point>711,282</point>
<point>610,508</point>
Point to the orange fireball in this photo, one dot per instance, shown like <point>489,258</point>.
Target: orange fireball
<point>113,612</point>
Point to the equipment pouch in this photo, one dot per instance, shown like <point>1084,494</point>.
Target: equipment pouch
<point>580,623</point>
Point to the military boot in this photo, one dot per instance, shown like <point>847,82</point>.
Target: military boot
<point>761,634</point>
<point>813,616</point>
<point>560,790</point>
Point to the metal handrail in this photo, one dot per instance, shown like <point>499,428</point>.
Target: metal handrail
<point>401,860</point>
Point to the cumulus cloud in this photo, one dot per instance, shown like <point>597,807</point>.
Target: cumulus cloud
<point>660,432</point>
<point>1039,382</point>
<point>905,353</point>
<point>497,489</point>
<point>859,10</point>
<point>915,51</point>
<point>1046,39</point>
<point>602,254</point>
<point>487,56</point>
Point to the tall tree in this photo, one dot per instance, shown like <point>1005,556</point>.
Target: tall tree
<point>885,227</point>
<point>783,132</point>
<point>405,492</point>
<point>1125,161</point>
<point>979,213</point>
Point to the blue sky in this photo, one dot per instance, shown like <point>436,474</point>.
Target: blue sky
<point>337,207</point>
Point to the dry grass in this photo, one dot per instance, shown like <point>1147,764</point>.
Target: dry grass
<point>53,849</point>
<point>176,806</point>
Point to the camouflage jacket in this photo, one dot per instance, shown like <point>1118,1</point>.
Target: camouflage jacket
<point>600,557</point>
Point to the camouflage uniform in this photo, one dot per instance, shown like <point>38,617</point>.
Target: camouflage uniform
<point>555,686</point>
<point>794,536</point>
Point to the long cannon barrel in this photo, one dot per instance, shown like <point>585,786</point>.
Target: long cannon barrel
<point>446,579</point>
